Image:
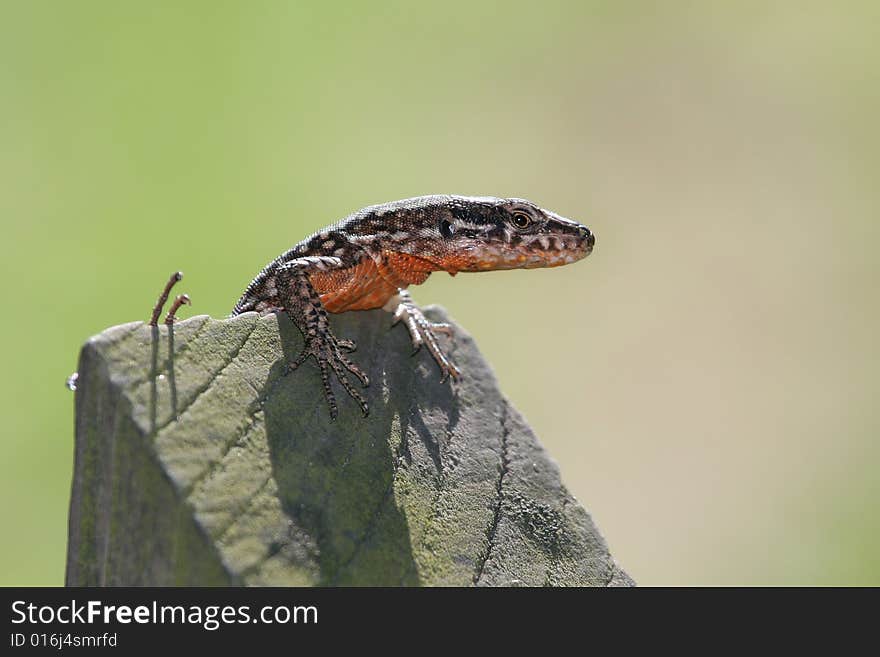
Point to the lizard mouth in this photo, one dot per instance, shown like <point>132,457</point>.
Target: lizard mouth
<point>528,252</point>
<point>556,250</point>
<point>529,257</point>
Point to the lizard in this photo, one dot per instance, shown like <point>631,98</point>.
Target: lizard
<point>369,259</point>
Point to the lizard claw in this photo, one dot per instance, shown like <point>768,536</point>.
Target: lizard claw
<point>346,345</point>
<point>444,328</point>
<point>328,352</point>
<point>422,332</point>
<point>180,300</point>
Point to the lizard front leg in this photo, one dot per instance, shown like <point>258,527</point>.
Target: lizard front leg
<point>423,332</point>
<point>304,307</point>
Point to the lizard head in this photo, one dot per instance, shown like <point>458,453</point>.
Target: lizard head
<point>486,234</point>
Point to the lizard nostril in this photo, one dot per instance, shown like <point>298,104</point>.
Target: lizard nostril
<point>587,235</point>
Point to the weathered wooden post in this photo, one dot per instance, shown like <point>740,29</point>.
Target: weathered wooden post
<point>198,463</point>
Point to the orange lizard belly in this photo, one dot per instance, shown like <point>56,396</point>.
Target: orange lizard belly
<point>369,285</point>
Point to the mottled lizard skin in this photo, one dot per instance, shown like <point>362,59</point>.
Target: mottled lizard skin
<point>368,259</point>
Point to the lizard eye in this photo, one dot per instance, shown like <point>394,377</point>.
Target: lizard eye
<point>520,220</point>
<point>446,229</point>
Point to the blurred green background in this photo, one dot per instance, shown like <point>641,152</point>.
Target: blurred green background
<point>707,379</point>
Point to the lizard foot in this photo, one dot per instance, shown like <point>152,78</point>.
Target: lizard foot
<point>181,299</point>
<point>423,332</point>
<point>330,354</point>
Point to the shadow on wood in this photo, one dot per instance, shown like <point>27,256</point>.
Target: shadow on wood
<point>199,462</point>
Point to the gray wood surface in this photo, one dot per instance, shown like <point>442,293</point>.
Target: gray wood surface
<point>198,463</point>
